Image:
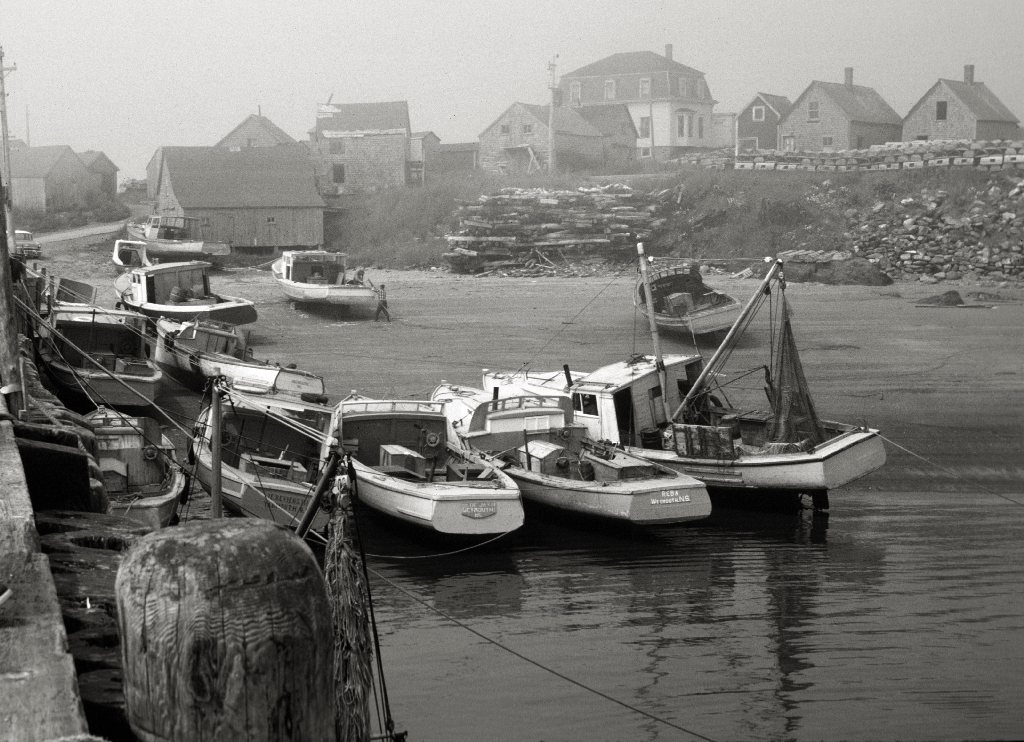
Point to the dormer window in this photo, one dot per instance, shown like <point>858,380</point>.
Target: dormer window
<point>757,113</point>
<point>645,87</point>
<point>609,89</point>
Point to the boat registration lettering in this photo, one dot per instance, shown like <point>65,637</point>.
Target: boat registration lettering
<point>670,497</point>
<point>479,510</point>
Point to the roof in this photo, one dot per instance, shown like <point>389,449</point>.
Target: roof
<point>276,132</point>
<point>424,135</point>
<point>253,177</point>
<point>859,103</point>
<point>457,147</point>
<point>37,162</point>
<point>628,63</point>
<point>981,101</point>
<point>364,117</point>
<point>778,103</point>
<point>93,157</point>
<point>611,120</point>
<point>566,121</point>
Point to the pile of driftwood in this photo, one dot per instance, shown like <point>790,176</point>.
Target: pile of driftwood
<point>544,230</point>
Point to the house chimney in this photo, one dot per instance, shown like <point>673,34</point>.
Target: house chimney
<point>668,51</point>
<point>849,76</point>
<point>969,74</point>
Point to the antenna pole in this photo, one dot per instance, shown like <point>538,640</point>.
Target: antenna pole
<point>551,118</point>
<point>658,360</point>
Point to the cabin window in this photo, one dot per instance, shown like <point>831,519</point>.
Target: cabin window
<point>337,146</point>
<point>645,127</point>
<point>585,404</point>
<point>338,174</point>
<point>812,110</point>
<point>645,87</point>
<point>757,113</point>
<point>941,107</point>
<point>609,89</point>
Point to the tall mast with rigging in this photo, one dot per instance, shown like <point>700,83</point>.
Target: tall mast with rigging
<point>659,361</point>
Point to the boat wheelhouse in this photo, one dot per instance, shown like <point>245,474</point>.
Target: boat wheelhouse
<point>180,291</point>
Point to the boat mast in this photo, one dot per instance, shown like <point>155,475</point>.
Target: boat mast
<point>659,362</point>
<point>727,342</point>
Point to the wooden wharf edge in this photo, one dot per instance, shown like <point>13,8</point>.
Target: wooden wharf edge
<point>39,696</point>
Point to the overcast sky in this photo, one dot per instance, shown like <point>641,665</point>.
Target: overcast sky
<point>128,76</point>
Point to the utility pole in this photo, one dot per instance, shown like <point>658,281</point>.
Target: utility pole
<point>10,368</point>
<point>551,118</point>
<point>7,145</point>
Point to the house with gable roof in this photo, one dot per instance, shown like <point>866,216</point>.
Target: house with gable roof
<point>251,197</point>
<point>49,178</point>
<point>361,146</point>
<point>757,124</point>
<point>670,103</point>
<point>955,109</point>
<point>836,116</point>
<point>104,172</point>
<point>517,141</point>
<point>255,130</point>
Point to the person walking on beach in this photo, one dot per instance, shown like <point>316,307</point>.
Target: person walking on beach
<point>382,305</point>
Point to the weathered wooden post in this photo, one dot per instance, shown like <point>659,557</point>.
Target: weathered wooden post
<point>226,634</point>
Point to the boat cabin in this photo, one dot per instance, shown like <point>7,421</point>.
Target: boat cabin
<point>314,266</point>
<point>211,337</point>
<point>502,424</point>
<point>183,284</point>
<point>402,438</point>
<point>171,228</point>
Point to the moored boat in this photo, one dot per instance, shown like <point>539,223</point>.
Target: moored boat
<point>682,302</point>
<point>533,438</point>
<point>321,277</point>
<point>141,475</point>
<point>174,235</point>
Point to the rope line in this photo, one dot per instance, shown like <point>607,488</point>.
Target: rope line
<point>539,665</point>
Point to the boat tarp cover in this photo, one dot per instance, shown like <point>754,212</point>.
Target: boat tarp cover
<point>795,418</point>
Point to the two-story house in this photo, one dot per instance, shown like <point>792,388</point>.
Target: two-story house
<point>952,109</point>
<point>835,116</point>
<point>670,104</point>
<point>757,124</point>
<point>361,146</point>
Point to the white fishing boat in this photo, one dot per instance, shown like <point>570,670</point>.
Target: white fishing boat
<point>534,440</point>
<point>404,468</point>
<point>178,291</point>
<point>270,447</point>
<point>141,475</point>
<point>682,302</point>
<point>678,411</point>
<point>320,277</point>
<point>98,355</point>
<point>193,352</point>
<point>174,235</point>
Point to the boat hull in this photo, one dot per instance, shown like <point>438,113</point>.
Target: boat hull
<point>451,508</point>
<point>231,311</point>
<point>153,511</point>
<point>350,295</point>
<point>96,386</point>
<point>159,247</point>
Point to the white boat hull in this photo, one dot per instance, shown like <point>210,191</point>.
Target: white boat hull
<point>98,386</point>
<point>444,507</point>
<point>152,511</point>
<point>342,295</point>
<point>158,247</point>
<point>715,319</point>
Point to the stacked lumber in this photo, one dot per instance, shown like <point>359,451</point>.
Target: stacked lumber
<point>516,225</point>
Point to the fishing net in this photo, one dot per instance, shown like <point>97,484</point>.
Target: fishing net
<point>794,418</point>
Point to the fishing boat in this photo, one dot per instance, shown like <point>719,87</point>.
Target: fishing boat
<point>193,352</point>
<point>270,445</point>
<point>141,475</point>
<point>178,291</point>
<point>682,302</point>
<point>533,439</point>
<point>719,427</point>
<point>404,468</point>
<point>98,355</point>
<point>320,277</point>
<point>174,235</point>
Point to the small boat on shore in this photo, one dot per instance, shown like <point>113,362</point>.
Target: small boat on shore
<point>98,355</point>
<point>320,277</point>
<point>193,352</point>
<point>174,235</point>
<point>178,291</point>
<point>405,469</point>
<point>141,475</point>
<point>533,439</point>
<point>682,302</point>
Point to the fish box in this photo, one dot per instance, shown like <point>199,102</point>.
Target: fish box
<point>704,441</point>
<point>395,458</point>
<point>544,457</point>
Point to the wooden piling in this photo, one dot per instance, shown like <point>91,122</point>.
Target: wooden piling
<point>226,635</point>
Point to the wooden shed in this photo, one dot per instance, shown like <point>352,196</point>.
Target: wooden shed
<point>104,172</point>
<point>48,179</point>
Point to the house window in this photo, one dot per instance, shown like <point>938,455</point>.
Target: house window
<point>940,110</point>
<point>337,147</point>
<point>204,221</point>
<point>826,141</point>
<point>250,142</point>
<point>574,93</point>
<point>789,142</point>
<point>757,113</point>
<point>684,88</point>
<point>645,87</point>
<point>645,152</point>
<point>527,128</point>
<point>700,127</point>
<point>271,219</point>
<point>505,129</point>
<point>645,127</point>
<point>812,110</point>
<point>609,89</point>
<point>338,173</point>
<point>683,125</point>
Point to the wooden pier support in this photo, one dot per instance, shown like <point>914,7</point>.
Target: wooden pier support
<point>226,635</point>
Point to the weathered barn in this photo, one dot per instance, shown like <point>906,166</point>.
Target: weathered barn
<point>837,116</point>
<point>757,124</point>
<point>104,172</point>
<point>49,179</point>
<point>361,146</point>
<point>253,197</point>
<point>256,130</point>
<point>454,157</point>
<point>954,109</point>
